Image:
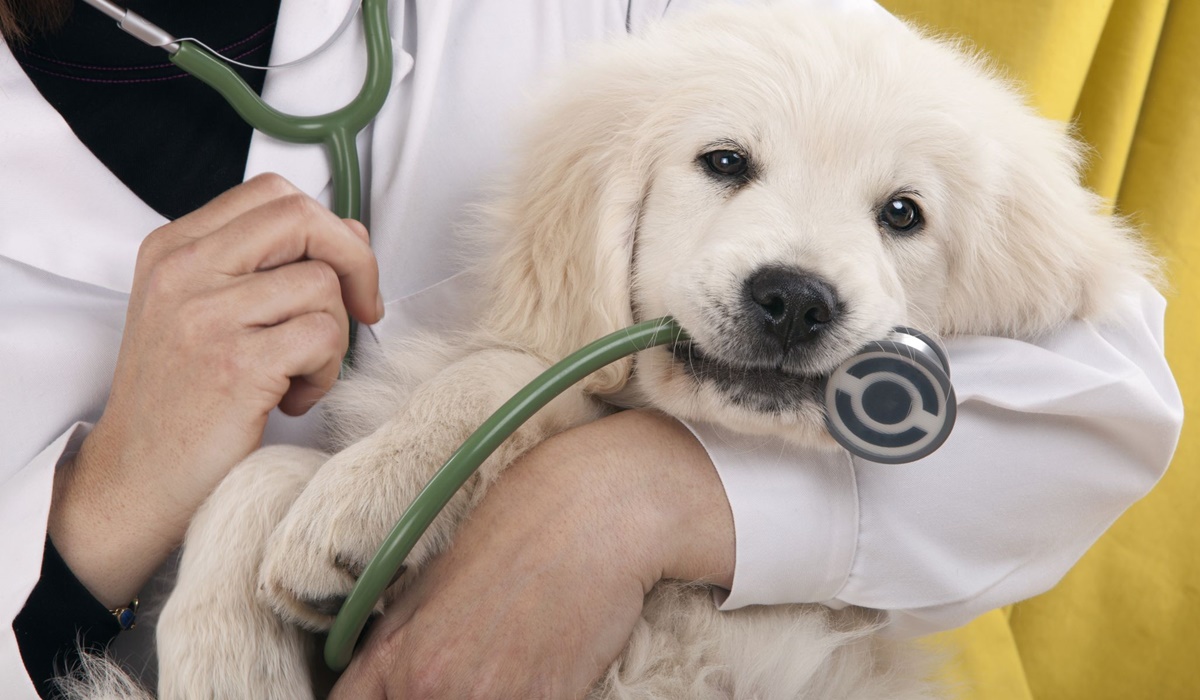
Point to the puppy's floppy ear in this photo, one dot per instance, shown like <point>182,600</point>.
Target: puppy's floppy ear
<point>562,278</point>
<point>1048,250</point>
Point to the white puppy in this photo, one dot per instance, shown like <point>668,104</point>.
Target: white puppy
<point>789,185</point>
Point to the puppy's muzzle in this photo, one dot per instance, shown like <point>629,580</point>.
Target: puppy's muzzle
<point>795,306</point>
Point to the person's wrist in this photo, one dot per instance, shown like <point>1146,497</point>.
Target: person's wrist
<point>700,520</point>
<point>101,522</point>
<point>673,497</point>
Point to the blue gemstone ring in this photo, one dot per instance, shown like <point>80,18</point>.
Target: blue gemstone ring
<point>127,615</point>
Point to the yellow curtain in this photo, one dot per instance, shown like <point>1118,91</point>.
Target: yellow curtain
<point>1125,623</point>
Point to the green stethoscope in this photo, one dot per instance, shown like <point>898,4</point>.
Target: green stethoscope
<point>908,424</point>
<point>336,130</point>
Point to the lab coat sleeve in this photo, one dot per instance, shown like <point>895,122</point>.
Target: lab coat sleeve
<point>24,507</point>
<point>1054,440</point>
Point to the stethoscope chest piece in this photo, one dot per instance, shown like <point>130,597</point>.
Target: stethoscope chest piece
<point>892,402</point>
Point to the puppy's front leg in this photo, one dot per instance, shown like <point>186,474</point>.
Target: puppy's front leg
<point>339,521</point>
<point>216,637</point>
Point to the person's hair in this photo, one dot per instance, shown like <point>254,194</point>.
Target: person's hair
<point>22,19</point>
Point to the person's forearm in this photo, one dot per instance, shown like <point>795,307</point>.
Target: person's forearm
<point>549,572</point>
<point>685,489</point>
<point>671,477</point>
<point>111,526</point>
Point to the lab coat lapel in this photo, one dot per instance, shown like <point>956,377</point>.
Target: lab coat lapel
<point>60,183</point>
<point>321,85</point>
<point>57,185</point>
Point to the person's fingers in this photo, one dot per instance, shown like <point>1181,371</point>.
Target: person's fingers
<point>232,203</point>
<point>363,679</point>
<point>355,684</point>
<point>308,350</point>
<point>220,211</point>
<point>305,392</point>
<point>358,229</point>
<point>300,397</point>
<point>271,297</point>
<point>294,228</point>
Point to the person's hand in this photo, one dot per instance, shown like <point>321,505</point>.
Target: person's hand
<point>236,308</point>
<point>544,582</point>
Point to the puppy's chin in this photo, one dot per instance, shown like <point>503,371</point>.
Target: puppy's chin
<point>749,401</point>
<point>761,389</point>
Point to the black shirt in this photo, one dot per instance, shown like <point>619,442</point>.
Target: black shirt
<point>170,138</point>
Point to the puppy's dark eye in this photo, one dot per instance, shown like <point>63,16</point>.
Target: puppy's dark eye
<point>726,163</point>
<point>901,215</point>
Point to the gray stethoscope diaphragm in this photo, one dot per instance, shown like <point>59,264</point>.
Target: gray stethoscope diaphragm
<point>892,402</point>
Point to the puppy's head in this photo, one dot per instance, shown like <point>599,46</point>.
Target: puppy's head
<point>789,184</point>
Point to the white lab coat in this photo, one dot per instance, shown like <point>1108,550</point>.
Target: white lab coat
<point>1043,459</point>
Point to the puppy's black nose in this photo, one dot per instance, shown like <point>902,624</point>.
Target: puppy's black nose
<point>796,306</point>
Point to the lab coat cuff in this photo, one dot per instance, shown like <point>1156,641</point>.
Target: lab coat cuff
<point>795,516</point>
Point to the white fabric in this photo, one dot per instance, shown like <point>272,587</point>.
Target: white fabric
<point>1042,460</point>
<point>1053,441</point>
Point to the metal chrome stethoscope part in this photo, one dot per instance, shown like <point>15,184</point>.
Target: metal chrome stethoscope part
<point>892,402</point>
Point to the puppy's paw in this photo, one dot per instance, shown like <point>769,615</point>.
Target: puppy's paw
<point>332,531</point>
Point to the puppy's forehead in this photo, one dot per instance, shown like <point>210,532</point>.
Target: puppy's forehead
<point>807,81</point>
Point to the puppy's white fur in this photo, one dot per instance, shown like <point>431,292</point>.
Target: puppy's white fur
<point>611,219</point>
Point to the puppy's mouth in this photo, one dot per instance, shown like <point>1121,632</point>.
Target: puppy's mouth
<point>760,388</point>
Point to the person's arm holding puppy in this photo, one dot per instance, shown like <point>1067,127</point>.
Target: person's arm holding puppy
<point>544,582</point>
<point>543,585</point>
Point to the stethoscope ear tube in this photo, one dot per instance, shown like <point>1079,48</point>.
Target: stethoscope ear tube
<point>892,402</point>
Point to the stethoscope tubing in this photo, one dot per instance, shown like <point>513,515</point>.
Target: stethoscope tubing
<point>389,559</point>
<point>336,130</point>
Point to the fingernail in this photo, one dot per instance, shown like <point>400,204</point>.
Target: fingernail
<point>379,305</point>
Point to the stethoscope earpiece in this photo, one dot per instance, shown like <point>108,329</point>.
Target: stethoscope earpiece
<point>892,402</point>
